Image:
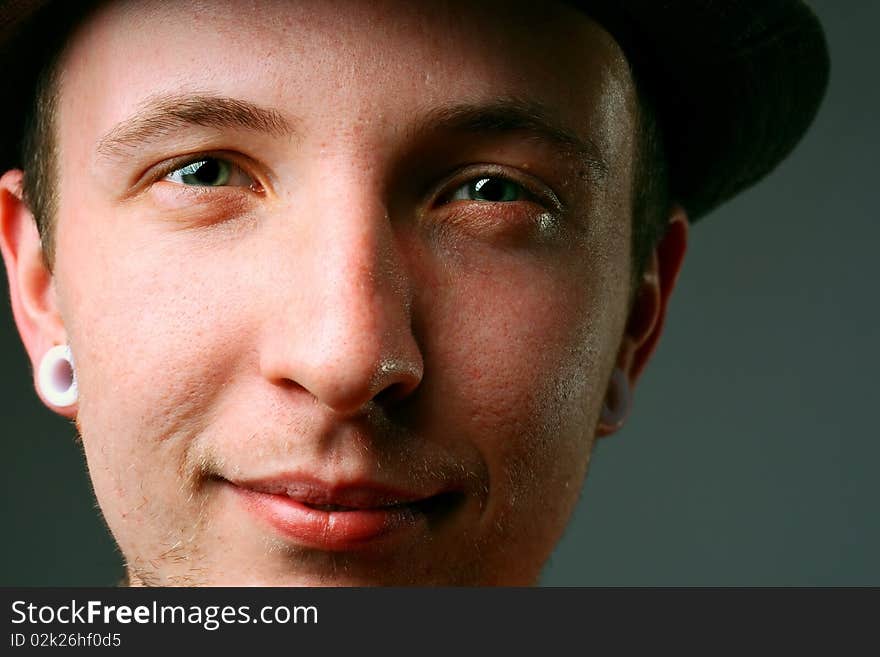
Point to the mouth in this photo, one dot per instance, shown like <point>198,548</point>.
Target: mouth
<point>342,517</point>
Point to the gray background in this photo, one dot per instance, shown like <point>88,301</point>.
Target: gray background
<point>751,454</point>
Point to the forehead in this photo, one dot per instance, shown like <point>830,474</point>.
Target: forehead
<point>372,62</point>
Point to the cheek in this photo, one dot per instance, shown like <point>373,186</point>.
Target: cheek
<point>152,333</point>
<point>522,357</point>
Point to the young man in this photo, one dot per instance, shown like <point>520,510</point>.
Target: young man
<point>344,292</point>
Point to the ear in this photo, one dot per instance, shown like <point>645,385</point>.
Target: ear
<point>31,288</point>
<point>645,323</point>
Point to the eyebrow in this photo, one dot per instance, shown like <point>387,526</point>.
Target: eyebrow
<point>513,115</point>
<point>161,115</point>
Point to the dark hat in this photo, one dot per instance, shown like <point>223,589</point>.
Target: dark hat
<point>736,83</point>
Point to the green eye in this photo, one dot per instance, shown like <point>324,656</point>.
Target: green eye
<point>490,190</point>
<point>209,172</point>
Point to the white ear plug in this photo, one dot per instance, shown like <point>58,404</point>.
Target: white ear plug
<point>57,377</point>
<point>617,400</point>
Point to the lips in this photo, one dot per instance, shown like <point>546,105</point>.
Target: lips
<point>343,516</point>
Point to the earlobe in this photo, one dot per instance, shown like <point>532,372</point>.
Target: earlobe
<point>56,377</point>
<point>618,400</point>
<point>31,289</point>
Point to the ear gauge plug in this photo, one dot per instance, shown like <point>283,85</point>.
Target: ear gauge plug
<point>618,400</point>
<point>57,377</point>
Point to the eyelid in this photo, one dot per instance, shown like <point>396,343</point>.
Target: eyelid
<point>539,191</point>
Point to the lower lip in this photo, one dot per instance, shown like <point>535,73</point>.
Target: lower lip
<point>329,530</point>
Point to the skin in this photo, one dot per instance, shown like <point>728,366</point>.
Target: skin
<point>340,309</point>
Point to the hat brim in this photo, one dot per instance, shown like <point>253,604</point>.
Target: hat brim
<point>736,84</point>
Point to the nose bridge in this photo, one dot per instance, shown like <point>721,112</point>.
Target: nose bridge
<point>363,293</point>
<point>348,335</point>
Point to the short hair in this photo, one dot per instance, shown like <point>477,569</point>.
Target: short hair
<point>650,194</point>
<point>39,158</point>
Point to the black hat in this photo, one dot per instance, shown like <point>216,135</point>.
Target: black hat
<point>736,83</point>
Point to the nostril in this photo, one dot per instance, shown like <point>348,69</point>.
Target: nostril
<point>392,394</point>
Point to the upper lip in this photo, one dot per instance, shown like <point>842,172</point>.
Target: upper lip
<point>350,494</point>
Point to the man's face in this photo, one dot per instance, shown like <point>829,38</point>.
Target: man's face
<point>344,282</point>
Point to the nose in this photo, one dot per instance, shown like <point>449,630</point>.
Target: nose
<point>340,320</point>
